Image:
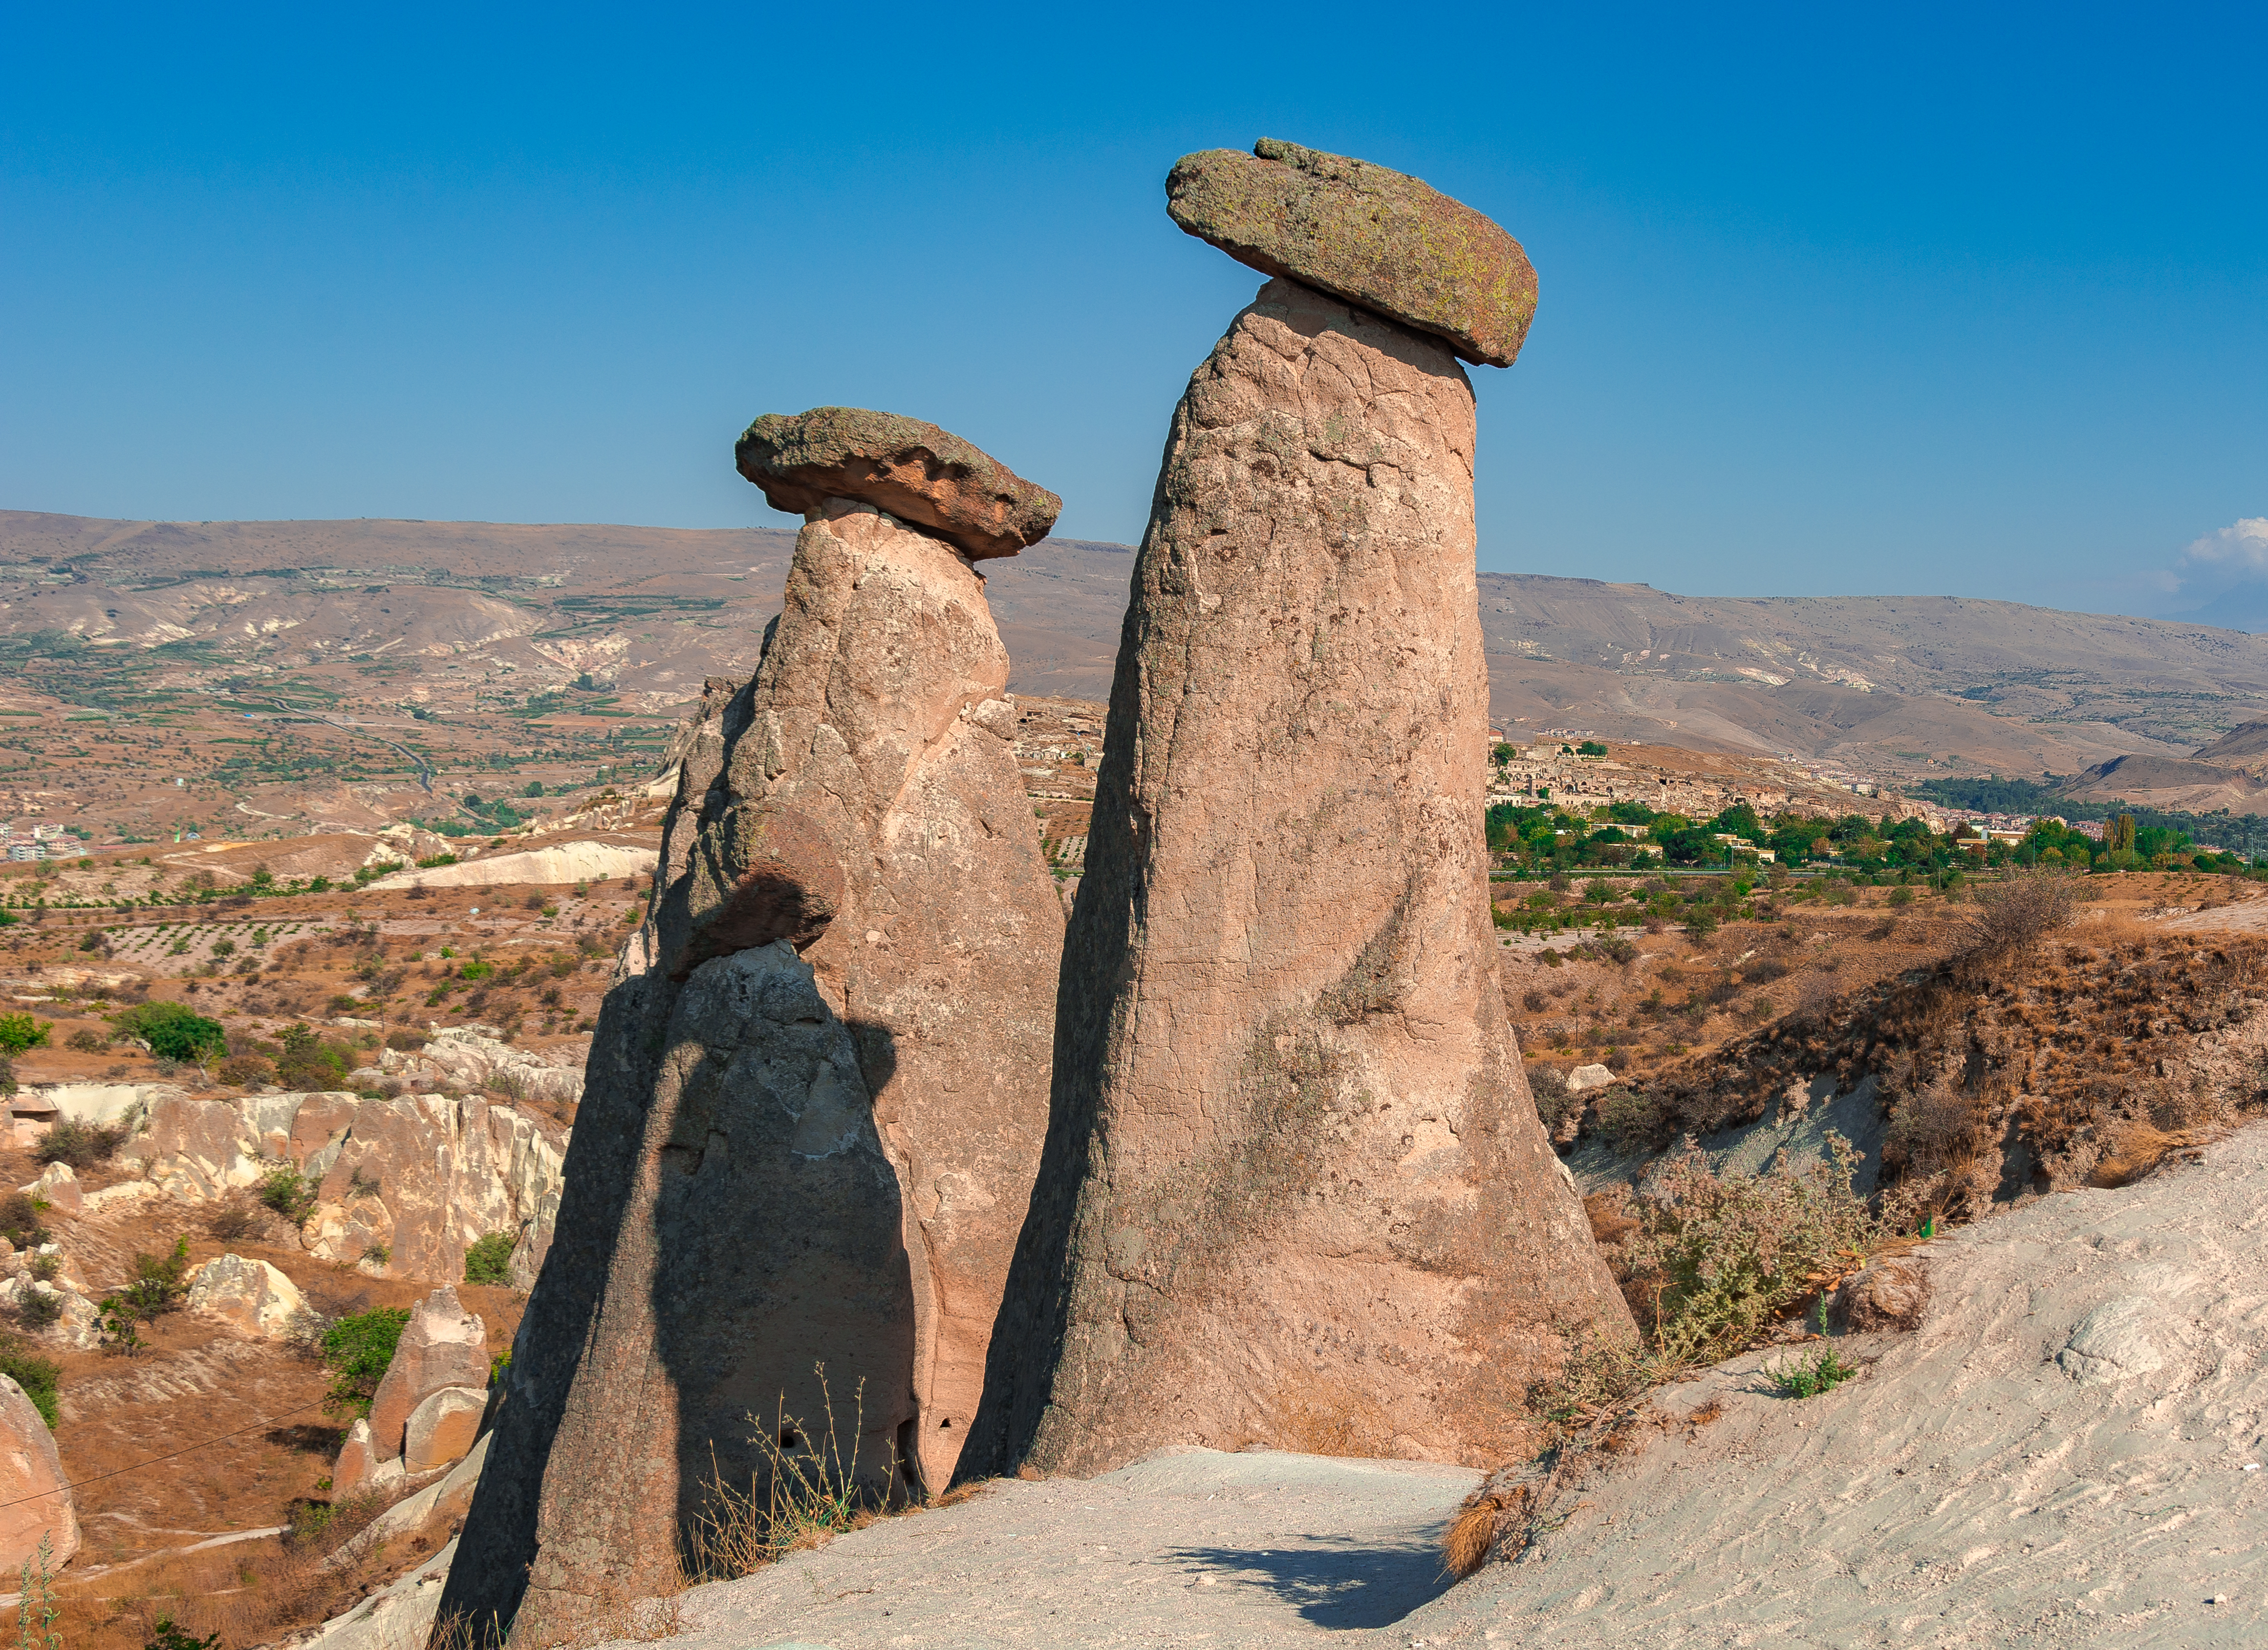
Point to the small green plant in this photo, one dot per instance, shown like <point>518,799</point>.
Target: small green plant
<point>158,1286</point>
<point>116,1322</point>
<point>1808,1377</point>
<point>36,1608</point>
<point>19,1220</point>
<point>288,1193</point>
<point>377,1255</point>
<point>489,1259</point>
<point>167,1636</point>
<point>20,1032</point>
<point>357,1349</point>
<point>172,1031</point>
<point>42,1378</point>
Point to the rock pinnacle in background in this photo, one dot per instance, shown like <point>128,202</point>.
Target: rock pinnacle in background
<point>1295,1192</point>
<point>816,1100</point>
<point>1375,238</point>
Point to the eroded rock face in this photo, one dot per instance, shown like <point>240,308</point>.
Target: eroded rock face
<point>1294,1173</point>
<point>35,1500</point>
<point>1378,238</point>
<point>427,1176</point>
<point>916,471</point>
<point>815,1099</point>
<point>250,1295</point>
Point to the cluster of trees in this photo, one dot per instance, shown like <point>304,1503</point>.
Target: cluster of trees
<point>1543,838</point>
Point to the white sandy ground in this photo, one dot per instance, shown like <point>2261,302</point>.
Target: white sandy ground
<point>2056,1457</point>
<point>563,861</point>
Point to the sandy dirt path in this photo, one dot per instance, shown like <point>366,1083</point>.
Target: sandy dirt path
<point>2058,1457</point>
<point>1189,1546</point>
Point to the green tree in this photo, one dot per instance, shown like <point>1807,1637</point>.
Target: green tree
<point>172,1030</point>
<point>19,1032</point>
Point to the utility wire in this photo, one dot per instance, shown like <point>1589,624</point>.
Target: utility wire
<point>154,1460</point>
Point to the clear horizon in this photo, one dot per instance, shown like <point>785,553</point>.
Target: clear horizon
<point>1960,307</point>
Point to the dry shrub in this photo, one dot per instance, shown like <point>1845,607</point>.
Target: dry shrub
<point>2020,909</point>
<point>1714,1257</point>
<point>1937,1134</point>
<point>806,1493</point>
<point>2134,1148</point>
<point>235,1219</point>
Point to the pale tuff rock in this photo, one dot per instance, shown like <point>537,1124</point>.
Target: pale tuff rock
<point>250,1295</point>
<point>1585,1077</point>
<point>443,1349</point>
<point>57,1186</point>
<point>460,1058</point>
<point>816,1098</point>
<point>35,1499</point>
<point>427,1176</point>
<point>1293,1169</point>
<point>441,1429</point>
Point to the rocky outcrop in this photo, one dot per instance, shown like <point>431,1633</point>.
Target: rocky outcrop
<point>35,1498</point>
<point>814,1115</point>
<point>916,471</point>
<point>1382,241</point>
<point>249,1295</point>
<point>426,1175</point>
<point>57,1186</point>
<point>1294,1165</point>
<point>443,1349</point>
<point>461,1059</point>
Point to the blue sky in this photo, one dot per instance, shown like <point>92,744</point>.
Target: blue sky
<point>1960,300</point>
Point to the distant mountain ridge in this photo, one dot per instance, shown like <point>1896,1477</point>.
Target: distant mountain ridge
<point>1897,686</point>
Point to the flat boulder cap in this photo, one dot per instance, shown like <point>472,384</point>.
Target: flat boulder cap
<point>1375,238</point>
<point>916,471</point>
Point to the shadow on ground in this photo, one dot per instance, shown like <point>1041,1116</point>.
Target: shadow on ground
<point>1339,1584</point>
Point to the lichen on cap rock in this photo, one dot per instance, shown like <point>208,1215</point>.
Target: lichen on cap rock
<point>1373,236</point>
<point>918,473</point>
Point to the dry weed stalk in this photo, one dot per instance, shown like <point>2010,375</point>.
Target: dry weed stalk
<point>805,1494</point>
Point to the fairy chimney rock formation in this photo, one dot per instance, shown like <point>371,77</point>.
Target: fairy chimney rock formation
<point>1295,1183</point>
<point>442,1348</point>
<point>816,1098</point>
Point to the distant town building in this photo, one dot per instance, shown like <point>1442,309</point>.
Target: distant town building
<point>27,851</point>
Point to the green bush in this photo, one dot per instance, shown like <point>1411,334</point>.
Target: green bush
<point>288,1193</point>
<point>7,1077</point>
<point>308,1061</point>
<point>167,1636</point>
<point>488,1260</point>
<point>42,1378</point>
<point>172,1030</point>
<point>19,1032</point>
<point>357,1350</point>
<point>158,1286</point>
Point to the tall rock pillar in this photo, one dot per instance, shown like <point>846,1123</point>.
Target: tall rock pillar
<point>1294,1188</point>
<point>813,1117</point>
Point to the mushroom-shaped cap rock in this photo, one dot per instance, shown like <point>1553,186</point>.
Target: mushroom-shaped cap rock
<point>916,471</point>
<point>1375,238</point>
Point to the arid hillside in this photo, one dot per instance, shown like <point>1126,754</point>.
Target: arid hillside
<point>558,650</point>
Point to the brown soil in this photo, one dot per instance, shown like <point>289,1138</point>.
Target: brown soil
<point>203,1433</point>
